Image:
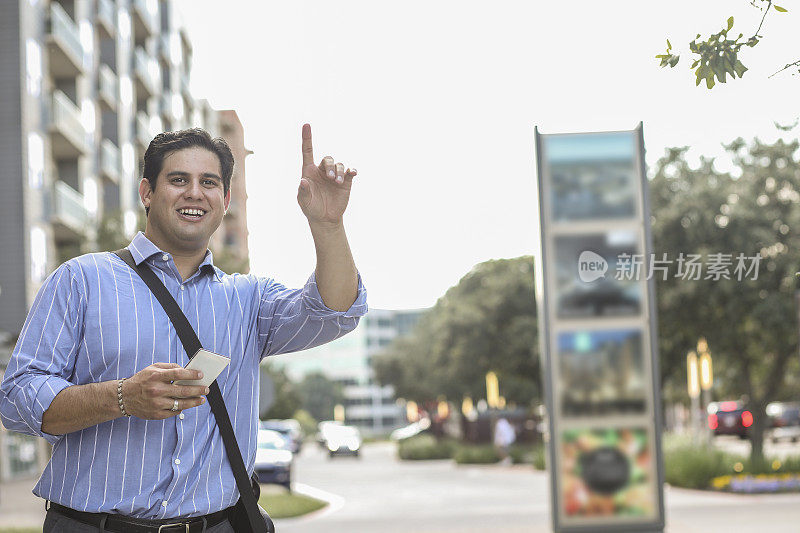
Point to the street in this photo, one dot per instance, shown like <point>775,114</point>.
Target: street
<point>380,493</point>
<point>377,492</point>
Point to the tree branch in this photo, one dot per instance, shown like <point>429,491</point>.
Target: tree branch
<point>789,65</point>
<point>769,5</point>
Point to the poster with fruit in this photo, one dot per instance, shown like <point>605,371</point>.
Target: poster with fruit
<point>607,473</point>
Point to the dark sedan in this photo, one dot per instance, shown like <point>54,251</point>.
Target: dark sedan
<point>730,418</point>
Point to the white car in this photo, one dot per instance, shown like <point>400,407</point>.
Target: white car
<point>342,440</point>
<point>273,459</point>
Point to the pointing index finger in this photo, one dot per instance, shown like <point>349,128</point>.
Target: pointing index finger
<point>308,151</point>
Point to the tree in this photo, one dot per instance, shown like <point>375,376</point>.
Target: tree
<point>485,323</point>
<point>318,395</point>
<point>718,56</point>
<point>751,325</point>
<point>286,399</point>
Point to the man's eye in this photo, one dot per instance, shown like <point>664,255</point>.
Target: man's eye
<point>211,182</point>
<point>176,180</point>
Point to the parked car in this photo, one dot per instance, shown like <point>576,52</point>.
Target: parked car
<point>288,428</point>
<point>784,421</point>
<point>729,418</point>
<point>273,459</point>
<point>342,440</point>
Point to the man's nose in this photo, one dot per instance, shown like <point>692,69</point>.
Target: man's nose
<point>194,190</point>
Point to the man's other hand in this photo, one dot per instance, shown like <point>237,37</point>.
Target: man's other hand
<point>325,188</point>
<point>150,393</point>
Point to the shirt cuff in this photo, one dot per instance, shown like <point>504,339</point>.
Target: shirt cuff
<point>48,389</point>
<point>318,309</point>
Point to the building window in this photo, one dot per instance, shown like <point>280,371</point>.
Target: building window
<point>35,161</point>
<point>38,254</point>
<point>33,67</point>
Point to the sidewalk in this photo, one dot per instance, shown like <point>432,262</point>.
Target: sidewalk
<point>18,506</point>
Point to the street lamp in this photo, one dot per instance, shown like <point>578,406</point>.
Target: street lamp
<point>693,388</point>
<point>706,372</point>
<point>492,390</point>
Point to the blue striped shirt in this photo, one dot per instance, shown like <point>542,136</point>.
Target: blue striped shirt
<point>95,320</point>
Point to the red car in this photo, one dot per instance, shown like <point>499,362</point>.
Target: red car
<point>729,418</point>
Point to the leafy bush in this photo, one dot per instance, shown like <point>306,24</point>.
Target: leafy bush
<point>476,454</point>
<point>528,454</point>
<point>695,466</point>
<point>424,447</point>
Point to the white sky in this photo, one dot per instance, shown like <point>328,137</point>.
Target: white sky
<point>435,102</point>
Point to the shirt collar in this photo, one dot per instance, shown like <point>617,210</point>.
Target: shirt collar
<point>142,248</point>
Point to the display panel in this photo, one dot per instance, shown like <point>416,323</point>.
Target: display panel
<point>602,373</point>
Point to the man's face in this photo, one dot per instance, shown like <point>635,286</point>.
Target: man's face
<point>188,202</point>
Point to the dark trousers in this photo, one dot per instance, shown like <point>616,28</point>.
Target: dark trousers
<point>58,523</point>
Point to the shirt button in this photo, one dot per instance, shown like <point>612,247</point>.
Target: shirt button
<point>165,257</point>
<point>183,288</point>
<point>177,461</point>
<point>164,503</point>
<point>180,416</point>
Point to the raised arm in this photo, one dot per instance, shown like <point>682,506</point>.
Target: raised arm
<point>323,195</point>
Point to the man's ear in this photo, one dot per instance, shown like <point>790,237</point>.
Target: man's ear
<point>145,192</point>
<point>227,199</point>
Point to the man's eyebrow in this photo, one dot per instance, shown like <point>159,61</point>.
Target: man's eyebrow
<point>184,174</point>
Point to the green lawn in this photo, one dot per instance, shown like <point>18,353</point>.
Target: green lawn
<point>280,503</point>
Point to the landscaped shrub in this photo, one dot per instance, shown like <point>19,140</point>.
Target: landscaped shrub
<point>423,447</point>
<point>476,454</point>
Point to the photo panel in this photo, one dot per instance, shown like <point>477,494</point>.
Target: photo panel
<point>592,176</point>
<point>586,273</point>
<point>602,373</point>
<point>607,474</point>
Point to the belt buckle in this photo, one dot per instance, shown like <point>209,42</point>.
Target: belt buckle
<point>173,525</point>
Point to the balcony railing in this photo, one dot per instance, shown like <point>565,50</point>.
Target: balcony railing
<point>69,135</point>
<point>145,18</point>
<point>148,75</point>
<point>107,17</point>
<point>108,86</point>
<point>110,160</point>
<point>69,211</point>
<point>64,44</point>
<point>144,132</point>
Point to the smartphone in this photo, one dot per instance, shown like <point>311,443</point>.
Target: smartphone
<point>209,363</point>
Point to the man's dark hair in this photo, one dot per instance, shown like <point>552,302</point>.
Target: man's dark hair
<point>171,141</point>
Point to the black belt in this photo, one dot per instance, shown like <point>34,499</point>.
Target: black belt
<point>127,524</point>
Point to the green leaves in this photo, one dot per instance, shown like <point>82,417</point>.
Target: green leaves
<point>780,9</point>
<point>668,59</point>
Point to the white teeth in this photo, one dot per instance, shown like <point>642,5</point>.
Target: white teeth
<point>198,212</point>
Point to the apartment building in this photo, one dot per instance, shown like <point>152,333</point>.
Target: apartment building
<point>85,85</point>
<point>348,361</point>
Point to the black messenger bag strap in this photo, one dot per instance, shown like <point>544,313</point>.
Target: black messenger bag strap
<point>191,344</point>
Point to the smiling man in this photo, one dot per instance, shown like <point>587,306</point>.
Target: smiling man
<point>94,366</point>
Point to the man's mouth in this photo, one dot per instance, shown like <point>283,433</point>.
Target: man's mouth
<point>191,214</point>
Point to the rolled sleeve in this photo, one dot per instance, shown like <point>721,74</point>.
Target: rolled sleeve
<point>294,320</point>
<point>44,356</point>
<point>318,309</point>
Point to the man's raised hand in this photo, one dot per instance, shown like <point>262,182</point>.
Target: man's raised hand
<point>325,188</point>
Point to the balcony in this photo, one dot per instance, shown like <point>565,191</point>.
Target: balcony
<point>148,75</point>
<point>185,86</point>
<point>109,161</point>
<point>70,216</point>
<point>64,44</point>
<point>144,133</point>
<point>108,87</point>
<point>164,44</point>
<point>145,19</point>
<point>68,133</point>
<point>106,18</point>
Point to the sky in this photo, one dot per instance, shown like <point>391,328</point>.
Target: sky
<point>435,104</point>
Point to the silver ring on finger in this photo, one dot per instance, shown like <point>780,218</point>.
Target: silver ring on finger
<point>174,405</point>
